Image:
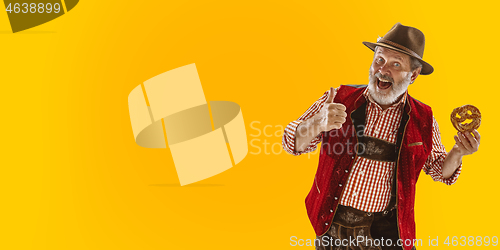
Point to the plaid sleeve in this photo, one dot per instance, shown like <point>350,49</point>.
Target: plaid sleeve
<point>434,164</point>
<point>288,140</point>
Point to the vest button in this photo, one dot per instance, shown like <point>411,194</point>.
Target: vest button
<point>347,171</point>
<point>352,157</point>
<point>340,184</point>
<point>326,224</point>
<point>336,198</point>
<point>331,211</point>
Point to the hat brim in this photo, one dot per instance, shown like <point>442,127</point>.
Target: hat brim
<point>427,69</point>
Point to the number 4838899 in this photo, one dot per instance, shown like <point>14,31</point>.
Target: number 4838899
<point>33,8</point>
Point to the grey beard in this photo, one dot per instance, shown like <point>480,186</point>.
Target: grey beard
<point>390,98</point>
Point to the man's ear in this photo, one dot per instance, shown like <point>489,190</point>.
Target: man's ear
<point>415,73</point>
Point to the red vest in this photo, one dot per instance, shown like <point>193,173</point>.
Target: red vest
<point>413,146</point>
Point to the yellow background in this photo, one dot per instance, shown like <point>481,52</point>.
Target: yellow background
<point>73,177</point>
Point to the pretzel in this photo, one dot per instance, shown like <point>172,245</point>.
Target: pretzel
<point>461,114</point>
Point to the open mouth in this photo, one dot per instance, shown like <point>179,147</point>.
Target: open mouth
<point>383,84</point>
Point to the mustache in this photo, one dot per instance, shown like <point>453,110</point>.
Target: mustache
<point>384,77</point>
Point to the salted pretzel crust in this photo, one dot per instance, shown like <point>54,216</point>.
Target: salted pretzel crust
<point>466,112</point>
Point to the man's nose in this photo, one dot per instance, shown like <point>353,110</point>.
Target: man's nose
<point>384,70</point>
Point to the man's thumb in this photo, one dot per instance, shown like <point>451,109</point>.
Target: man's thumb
<point>333,92</point>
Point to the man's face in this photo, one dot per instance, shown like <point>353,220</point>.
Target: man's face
<point>390,75</point>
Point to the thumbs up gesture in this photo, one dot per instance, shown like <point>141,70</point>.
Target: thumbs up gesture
<point>331,116</point>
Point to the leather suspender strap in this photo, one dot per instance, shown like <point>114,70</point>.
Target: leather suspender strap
<point>399,139</point>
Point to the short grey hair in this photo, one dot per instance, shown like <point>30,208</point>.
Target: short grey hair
<point>414,62</point>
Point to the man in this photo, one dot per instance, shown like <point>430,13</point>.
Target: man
<point>375,141</point>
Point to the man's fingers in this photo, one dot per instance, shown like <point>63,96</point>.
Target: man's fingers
<point>335,125</point>
<point>341,114</point>
<point>459,144</point>
<point>465,142</point>
<point>332,111</point>
<point>473,142</point>
<point>338,106</point>
<point>477,136</point>
<point>332,93</point>
<point>334,118</point>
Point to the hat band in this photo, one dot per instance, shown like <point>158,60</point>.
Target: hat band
<point>400,47</point>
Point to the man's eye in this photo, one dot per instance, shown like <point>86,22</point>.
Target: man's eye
<point>397,64</point>
<point>380,60</point>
